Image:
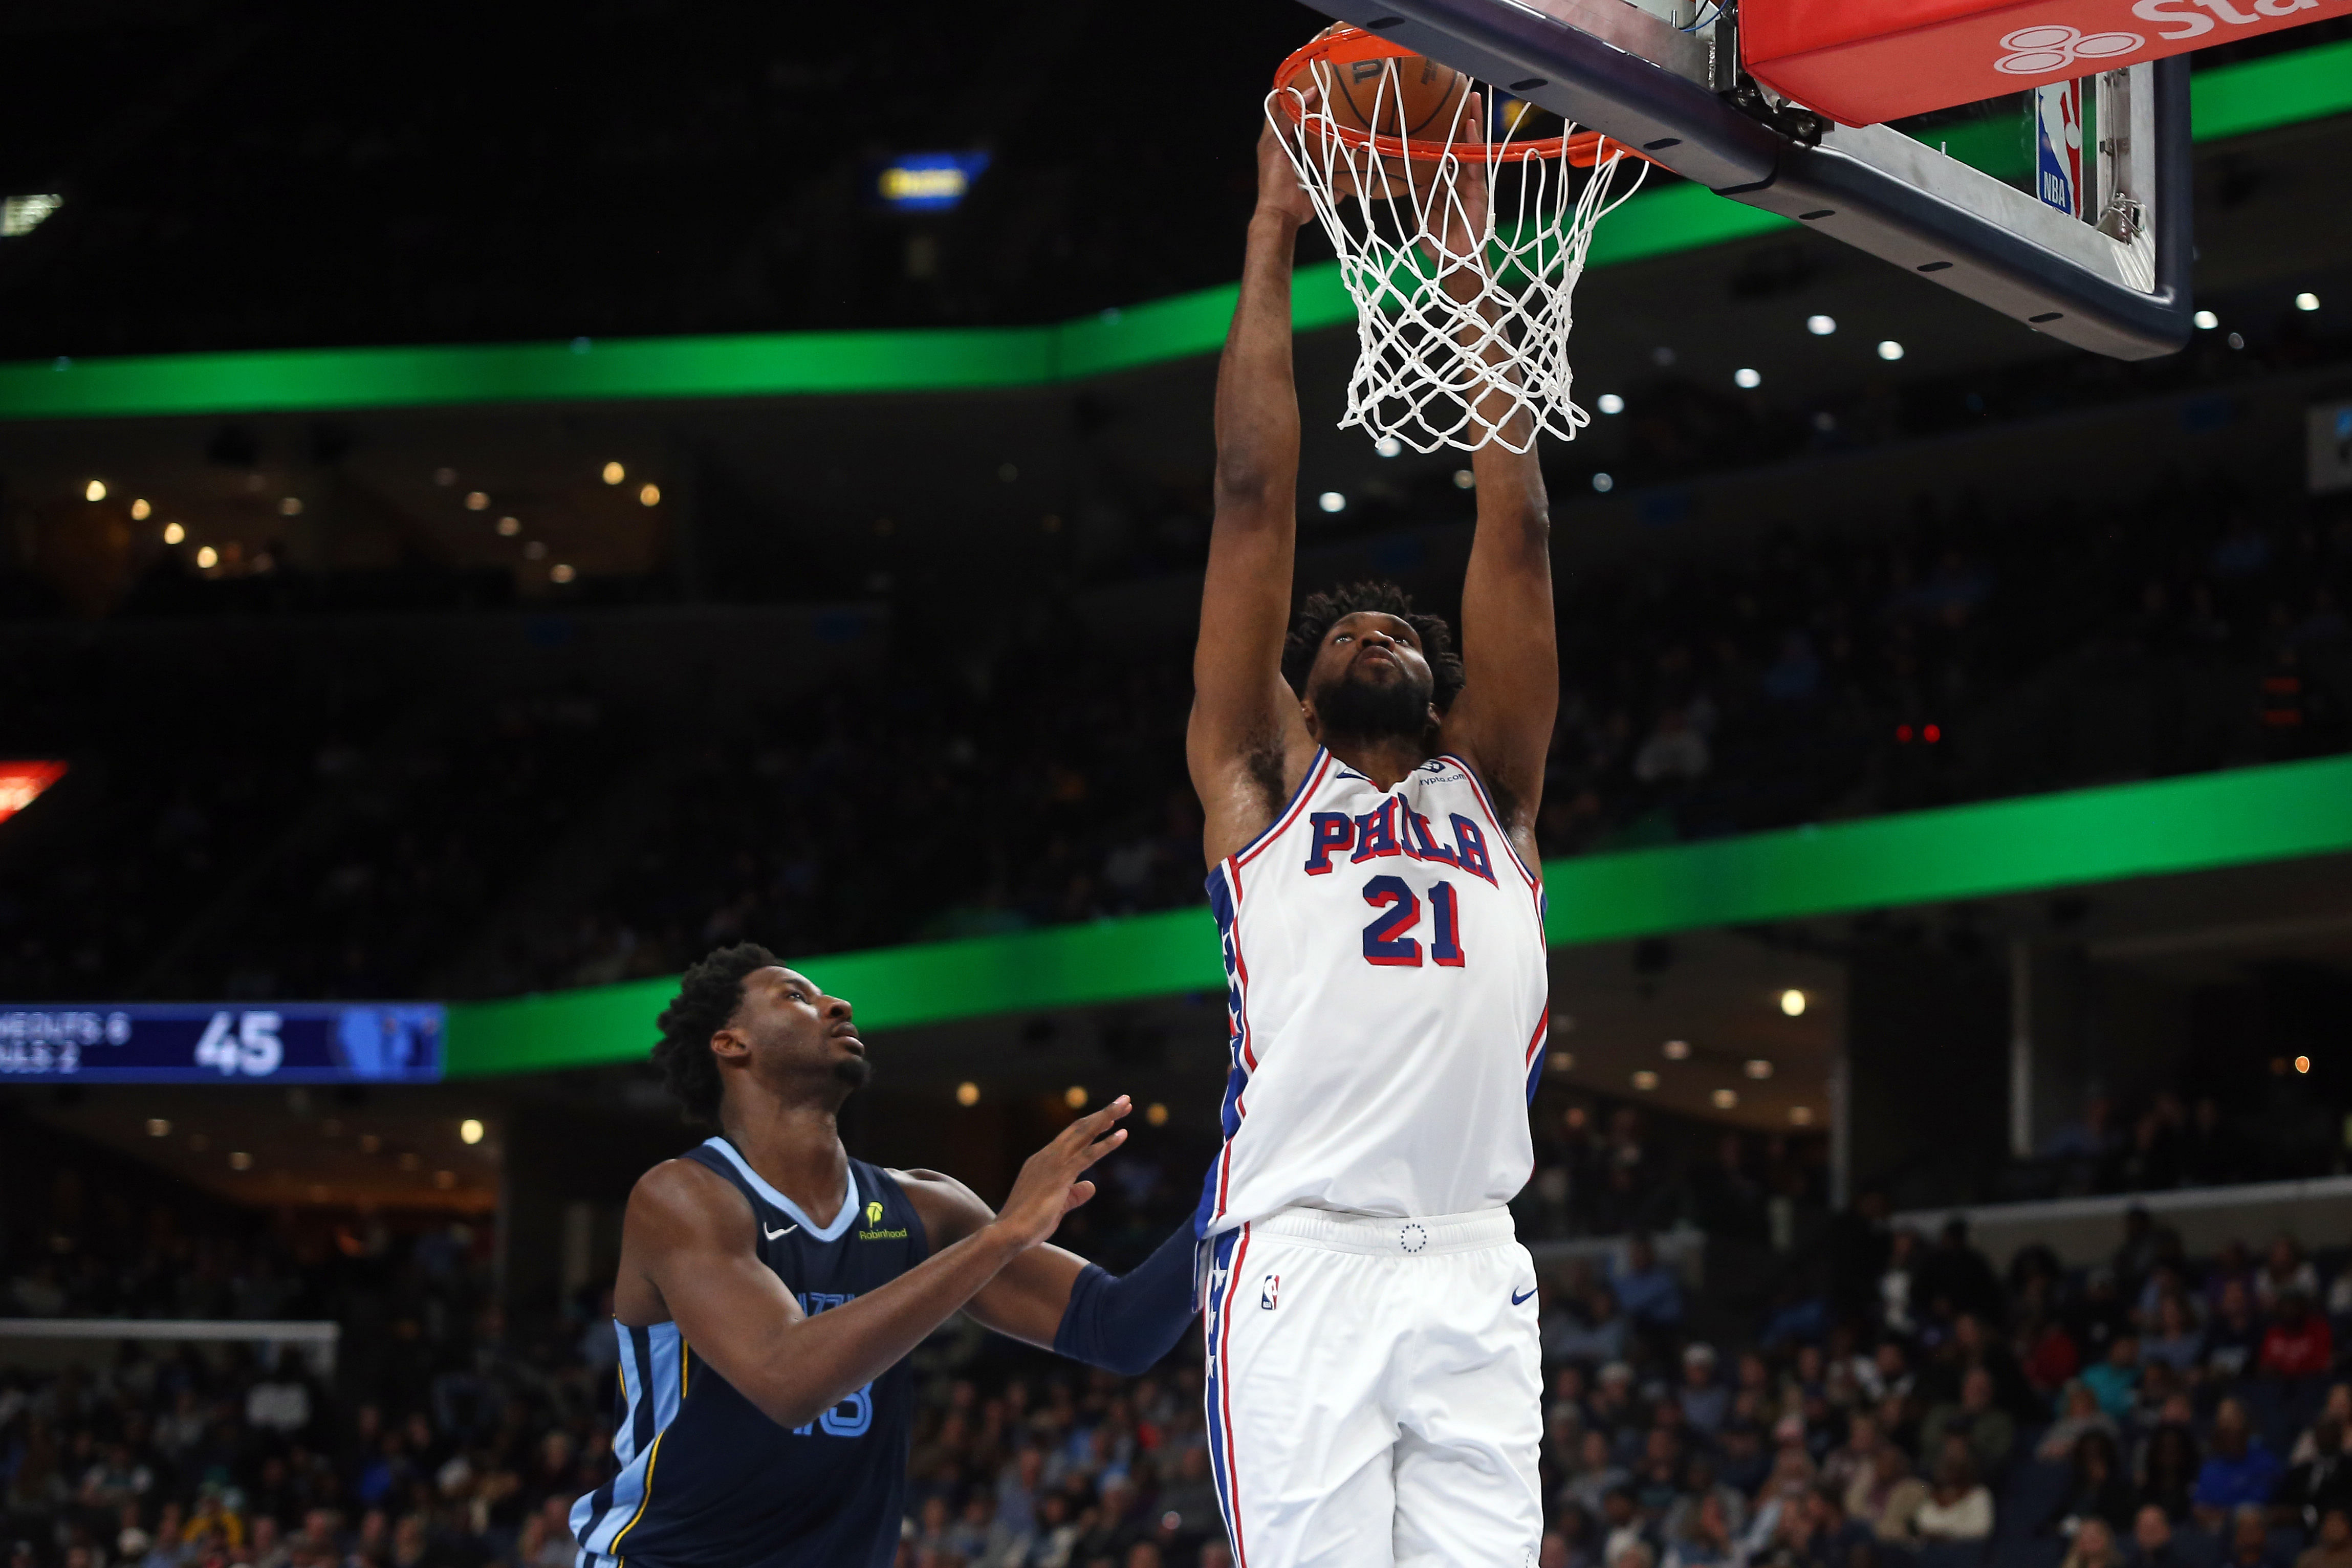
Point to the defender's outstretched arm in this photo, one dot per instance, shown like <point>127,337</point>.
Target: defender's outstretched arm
<point>1246,744</point>
<point>1057,1301</point>
<point>1510,656</point>
<point>690,1237</point>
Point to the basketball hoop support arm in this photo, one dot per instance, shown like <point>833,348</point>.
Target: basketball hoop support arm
<point>2120,289</point>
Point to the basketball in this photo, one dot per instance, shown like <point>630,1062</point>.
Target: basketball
<point>1409,96</point>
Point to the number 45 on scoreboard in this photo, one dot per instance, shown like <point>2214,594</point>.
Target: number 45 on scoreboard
<point>243,1043</point>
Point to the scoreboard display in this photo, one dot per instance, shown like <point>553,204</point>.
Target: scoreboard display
<point>278,1042</point>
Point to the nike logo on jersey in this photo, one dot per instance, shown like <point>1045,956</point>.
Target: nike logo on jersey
<point>1516,1298</point>
<point>772,1235</point>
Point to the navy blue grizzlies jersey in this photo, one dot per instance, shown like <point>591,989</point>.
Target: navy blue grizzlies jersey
<point>705,1480</point>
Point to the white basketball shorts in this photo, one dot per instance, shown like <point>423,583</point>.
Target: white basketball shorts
<point>1375,1391</point>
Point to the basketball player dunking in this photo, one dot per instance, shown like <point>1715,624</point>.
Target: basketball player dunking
<point>771,1286</point>
<point>1375,1374</point>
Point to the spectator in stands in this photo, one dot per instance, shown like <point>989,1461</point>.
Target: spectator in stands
<point>1706,1540</point>
<point>2314,1486</point>
<point>1704,1401</point>
<point>2079,1413</point>
<point>1955,1277</point>
<point>2115,1381</point>
<point>1899,1298</point>
<point>2047,1354</point>
<point>2168,1469</point>
<point>1597,1474</point>
<point>2233,1336</point>
<point>2284,1271</point>
<point>2297,1344</point>
<point>2097,1489</point>
<point>1886,1496</point>
<point>1960,1506</point>
<point>2153,1543</point>
<point>1850,1458</point>
<point>1974,1418</point>
<point>2333,1547</point>
<point>2249,1540</point>
<point>2338,1405</point>
<point>2175,1339</point>
<point>1649,1290</point>
<point>1595,1337</point>
<point>2239,1473</point>
<point>2094,1546</point>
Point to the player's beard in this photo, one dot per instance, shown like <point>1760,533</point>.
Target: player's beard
<point>853,1072</point>
<point>1354,710</point>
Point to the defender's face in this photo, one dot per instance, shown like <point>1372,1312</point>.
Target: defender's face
<point>785,1024</point>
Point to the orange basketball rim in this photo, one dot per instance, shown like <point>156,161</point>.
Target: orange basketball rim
<point>1344,45</point>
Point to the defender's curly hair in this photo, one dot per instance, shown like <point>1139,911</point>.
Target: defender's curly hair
<point>708,996</point>
<point>1320,610</point>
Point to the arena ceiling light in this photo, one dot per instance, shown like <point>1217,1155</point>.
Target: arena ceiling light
<point>1889,349</point>
<point>2206,321</point>
<point>20,216</point>
<point>1820,326</point>
<point>1725,1098</point>
<point>1387,446</point>
<point>614,473</point>
<point>1610,403</point>
<point>1603,483</point>
<point>1747,379</point>
<point>1792,1003</point>
<point>2306,301</point>
<point>174,532</point>
<point>1758,1069</point>
<point>967,1094</point>
<point>471,1129</point>
<point>1800,1116</point>
<point>1677,1050</point>
<point>94,490</point>
<point>1331,500</point>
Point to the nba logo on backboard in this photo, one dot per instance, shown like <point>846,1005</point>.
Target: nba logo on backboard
<point>1267,1292</point>
<point>2058,146</point>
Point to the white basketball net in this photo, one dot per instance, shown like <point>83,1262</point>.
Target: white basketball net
<point>1454,344</point>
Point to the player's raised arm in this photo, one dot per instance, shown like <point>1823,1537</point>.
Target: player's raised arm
<point>689,1236</point>
<point>1502,721</point>
<point>1246,744</point>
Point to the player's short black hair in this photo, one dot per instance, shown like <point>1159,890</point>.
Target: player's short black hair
<point>708,996</point>
<point>1317,616</point>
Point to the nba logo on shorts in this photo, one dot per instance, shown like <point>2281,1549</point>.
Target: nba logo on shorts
<point>1266,1291</point>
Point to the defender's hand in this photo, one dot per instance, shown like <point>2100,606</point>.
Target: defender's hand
<point>1049,1185</point>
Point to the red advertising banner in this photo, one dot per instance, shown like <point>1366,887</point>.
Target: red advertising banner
<point>1866,61</point>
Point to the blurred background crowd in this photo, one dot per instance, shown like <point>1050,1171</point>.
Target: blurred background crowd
<point>1892,1399</point>
<point>342,830</point>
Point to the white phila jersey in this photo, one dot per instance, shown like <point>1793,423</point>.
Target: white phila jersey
<point>1385,972</point>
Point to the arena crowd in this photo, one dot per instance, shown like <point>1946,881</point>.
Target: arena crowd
<point>1900,1403</point>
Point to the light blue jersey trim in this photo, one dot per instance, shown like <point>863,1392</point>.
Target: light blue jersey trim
<point>850,1202</point>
